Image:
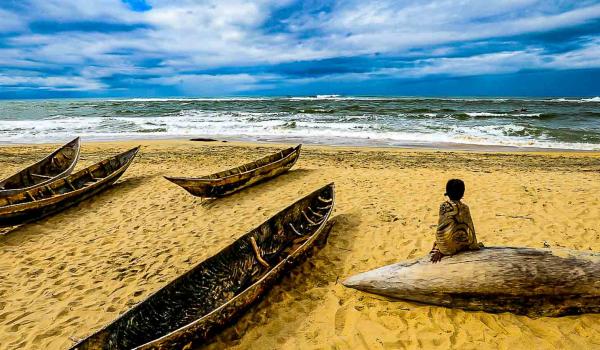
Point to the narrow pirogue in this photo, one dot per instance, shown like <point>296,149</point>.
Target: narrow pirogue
<point>56,165</point>
<point>229,181</point>
<point>213,293</point>
<point>60,194</point>
<point>526,281</point>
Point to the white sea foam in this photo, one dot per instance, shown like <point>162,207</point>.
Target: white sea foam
<point>579,100</point>
<point>481,99</point>
<point>392,128</point>
<point>56,116</point>
<point>343,98</point>
<point>237,125</point>
<point>593,99</point>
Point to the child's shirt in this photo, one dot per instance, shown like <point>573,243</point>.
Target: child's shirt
<point>455,230</point>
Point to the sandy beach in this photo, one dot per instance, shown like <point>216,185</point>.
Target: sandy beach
<point>66,276</point>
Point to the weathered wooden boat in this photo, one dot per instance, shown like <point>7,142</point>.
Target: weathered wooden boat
<point>526,281</point>
<point>194,306</point>
<point>39,202</point>
<point>229,181</point>
<point>56,165</point>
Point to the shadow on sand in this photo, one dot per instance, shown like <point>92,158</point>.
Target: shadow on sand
<point>99,199</point>
<point>308,283</point>
<point>260,187</point>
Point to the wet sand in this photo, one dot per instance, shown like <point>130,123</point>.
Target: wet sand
<point>68,275</point>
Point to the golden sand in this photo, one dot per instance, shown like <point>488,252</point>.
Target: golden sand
<point>68,275</point>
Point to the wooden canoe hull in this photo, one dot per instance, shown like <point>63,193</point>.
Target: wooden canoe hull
<point>19,208</point>
<point>229,181</point>
<point>527,281</point>
<point>215,292</point>
<point>56,165</point>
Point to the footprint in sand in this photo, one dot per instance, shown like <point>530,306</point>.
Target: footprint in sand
<point>340,319</point>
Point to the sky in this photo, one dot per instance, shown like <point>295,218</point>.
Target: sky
<point>154,48</point>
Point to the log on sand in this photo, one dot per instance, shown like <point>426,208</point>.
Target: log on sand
<point>526,281</point>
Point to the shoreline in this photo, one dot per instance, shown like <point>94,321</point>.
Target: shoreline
<point>415,146</point>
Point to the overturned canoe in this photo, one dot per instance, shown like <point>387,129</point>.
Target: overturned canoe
<point>39,202</point>
<point>526,281</point>
<point>226,182</point>
<point>213,293</point>
<point>56,165</point>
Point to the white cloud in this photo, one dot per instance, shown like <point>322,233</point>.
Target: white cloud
<point>61,83</point>
<point>207,84</point>
<point>10,22</point>
<point>76,10</point>
<point>393,27</point>
<point>489,63</point>
<point>498,63</point>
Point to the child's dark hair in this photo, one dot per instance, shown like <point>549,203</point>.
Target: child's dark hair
<point>455,189</point>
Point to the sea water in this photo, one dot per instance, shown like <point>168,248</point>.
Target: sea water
<point>564,123</point>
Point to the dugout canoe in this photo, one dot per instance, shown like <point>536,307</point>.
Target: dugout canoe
<point>54,166</point>
<point>197,304</point>
<point>525,281</point>
<point>229,181</point>
<point>60,194</point>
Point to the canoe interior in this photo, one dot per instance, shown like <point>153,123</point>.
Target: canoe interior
<point>211,294</point>
<point>525,281</point>
<point>57,164</point>
<point>254,164</point>
<point>75,182</point>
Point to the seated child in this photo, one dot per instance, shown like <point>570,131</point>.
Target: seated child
<point>455,231</point>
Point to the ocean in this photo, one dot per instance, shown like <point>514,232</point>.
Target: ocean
<point>553,123</point>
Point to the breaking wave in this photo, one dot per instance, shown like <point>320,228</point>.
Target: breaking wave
<point>547,123</point>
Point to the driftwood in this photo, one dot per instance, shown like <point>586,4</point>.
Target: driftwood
<point>54,166</point>
<point>534,282</point>
<point>60,194</point>
<point>197,304</point>
<point>229,181</point>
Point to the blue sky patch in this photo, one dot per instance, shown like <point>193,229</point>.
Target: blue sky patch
<point>138,5</point>
<point>48,27</point>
